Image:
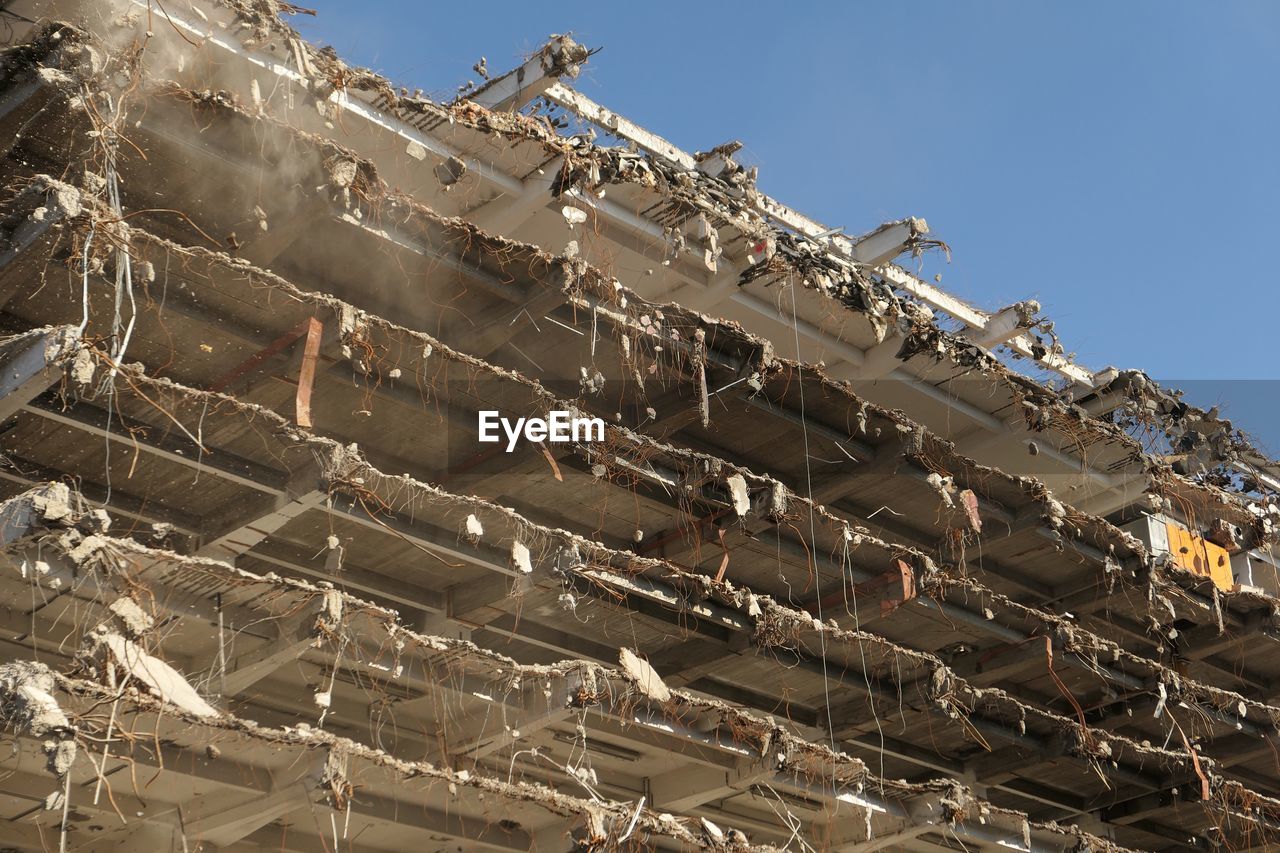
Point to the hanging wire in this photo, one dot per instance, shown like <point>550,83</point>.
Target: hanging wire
<point>813,539</point>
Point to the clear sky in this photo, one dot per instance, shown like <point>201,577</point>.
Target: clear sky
<point>1117,161</point>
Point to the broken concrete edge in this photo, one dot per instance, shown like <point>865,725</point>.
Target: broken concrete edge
<point>820,763</point>
<point>958,807</point>
<point>73,699</point>
<point>793,754</point>
<point>60,343</point>
<point>326,72</point>
<point>888,547</point>
<point>1066,636</point>
<point>353,320</point>
<point>560,56</point>
<point>36,203</point>
<point>839,528</point>
<point>771,739</point>
<point>775,624</point>
<point>28,704</point>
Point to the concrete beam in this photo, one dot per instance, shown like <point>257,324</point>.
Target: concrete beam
<point>1004,325</point>
<point>976,319</point>
<point>170,446</point>
<point>505,213</point>
<point>788,322</point>
<point>55,200</point>
<point>886,242</point>
<point>858,449</point>
<point>684,789</point>
<point>874,743</point>
<point>535,709</point>
<point>519,86</point>
<point>226,826</point>
<point>121,504</point>
<point>877,362</point>
<point>686,662</point>
<point>890,839</point>
<point>397,594</point>
<point>30,365</point>
<point>617,125</point>
<point>493,334</point>
<point>249,526</point>
<point>871,599</point>
<point>424,537</point>
<point>293,638</point>
<point>1203,641</point>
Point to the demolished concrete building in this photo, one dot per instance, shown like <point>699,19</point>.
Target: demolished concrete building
<point>853,565</point>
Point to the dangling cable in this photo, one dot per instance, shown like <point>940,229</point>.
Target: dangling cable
<point>813,538</point>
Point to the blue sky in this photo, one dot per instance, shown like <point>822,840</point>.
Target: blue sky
<point>1116,161</point>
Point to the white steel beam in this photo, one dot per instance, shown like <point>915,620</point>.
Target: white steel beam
<point>976,320</point>
<point>886,242</point>
<point>618,125</point>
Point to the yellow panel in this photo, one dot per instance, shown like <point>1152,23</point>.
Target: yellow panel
<point>1200,556</point>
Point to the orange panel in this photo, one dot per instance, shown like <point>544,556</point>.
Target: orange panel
<point>1198,555</point>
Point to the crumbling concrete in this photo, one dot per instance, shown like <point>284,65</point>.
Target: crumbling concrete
<point>767,591</point>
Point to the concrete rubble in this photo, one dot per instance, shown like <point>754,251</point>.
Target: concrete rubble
<point>853,565</point>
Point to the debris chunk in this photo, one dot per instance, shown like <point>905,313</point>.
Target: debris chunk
<point>164,682</point>
<point>944,486</point>
<point>969,503</point>
<point>738,492</point>
<point>649,682</point>
<point>473,529</point>
<point>520,557</point>
<point>342,171</point>
<point>27,701</point>
<point>135,620</point>
<point>450,171</point>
